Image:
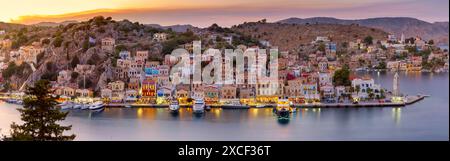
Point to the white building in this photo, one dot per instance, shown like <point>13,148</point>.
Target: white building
<point>325,79</point>
<point>160,37</point>
<point>124,55</point>
<point>321,39</point>
<point>228,39</point>
<point>365,85</point>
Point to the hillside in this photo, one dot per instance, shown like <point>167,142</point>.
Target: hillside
<point>53,24</point>
<point>410,27</point>
<point>10,26</point>
<point>68,44</point>
<point>290,36</point>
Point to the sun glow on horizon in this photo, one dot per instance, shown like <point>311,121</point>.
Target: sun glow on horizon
<point>228,11</point>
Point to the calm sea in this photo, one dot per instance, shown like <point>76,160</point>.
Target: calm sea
<point>425,120</point>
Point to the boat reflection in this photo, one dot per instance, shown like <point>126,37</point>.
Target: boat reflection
<point>283,120</point>
<point>174,114</point>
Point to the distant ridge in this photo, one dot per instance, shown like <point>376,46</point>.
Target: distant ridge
<point>10,26</point>
<point>410,27</point>
<point>54,24</point>
<point>176,28</point>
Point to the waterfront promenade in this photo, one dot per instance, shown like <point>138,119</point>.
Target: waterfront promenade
<point>409,100</point>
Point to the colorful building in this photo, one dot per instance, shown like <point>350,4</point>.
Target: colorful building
<point>148,90</point>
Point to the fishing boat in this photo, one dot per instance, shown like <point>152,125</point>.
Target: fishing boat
<point>199,106</point>
<point>97,105</point>
<point>283,108</point>
<point>174,106</point>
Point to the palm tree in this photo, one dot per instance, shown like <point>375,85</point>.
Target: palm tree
<point>357,88</point>
<point>370,92</point>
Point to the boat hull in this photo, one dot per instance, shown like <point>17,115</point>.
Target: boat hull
<point>96,107</point>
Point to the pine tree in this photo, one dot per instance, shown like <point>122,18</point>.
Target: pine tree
<point>40,117</point>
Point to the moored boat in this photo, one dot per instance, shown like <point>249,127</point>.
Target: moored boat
<point>283,108</point>
<point>97,105</point>
<point>174,106</point>
<point>199,106</point>
<point>84,106</point>
<point>77,106</point>
<point>65,105</point>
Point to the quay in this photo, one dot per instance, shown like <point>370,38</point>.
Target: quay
<point>409,101</point>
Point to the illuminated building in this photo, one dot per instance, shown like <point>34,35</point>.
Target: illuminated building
<point>148,90</point>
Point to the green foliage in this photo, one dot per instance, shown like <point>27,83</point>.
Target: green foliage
<point>99,20</point>
<point>382,95</point>
<point>75,61</point>
<point>86,45</point>
<point>341,77</point>
<point>19,41</point>
<point>172,44</point>
<point>245,40</point>
<point>74,75</point>
<point>113,61</point>
<point>10,70</point>
<point>321,47</point>
<point>40,117</point>
<point>101,30</point>
<point>51,76</point>
<point>381,65</point>
<point>49,66</point>
<point>216,28</point>
<point>411,49</point>
<point>344,45</point>
<point>118,49</point>
<point>58,41</point>
<point>45,41</point>
<point>14,69</point>
<point>93,60</point>
<point>410,40</point>
<point>424,53</point>
<point>154,58</point>
<point>368,40</point>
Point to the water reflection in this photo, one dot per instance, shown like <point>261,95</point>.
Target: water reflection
<point>174,114</point>
<point>396,115</point>
<point>284,120</point>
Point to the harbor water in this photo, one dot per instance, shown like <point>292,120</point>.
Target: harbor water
<point>425,120</point>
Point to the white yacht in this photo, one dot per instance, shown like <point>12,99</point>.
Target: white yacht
<point>174,106</point>
<point>96,105</point>
<point>199,106</point>
<point>84,106</point>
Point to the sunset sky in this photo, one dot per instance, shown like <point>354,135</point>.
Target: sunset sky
<point>223,12</point>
